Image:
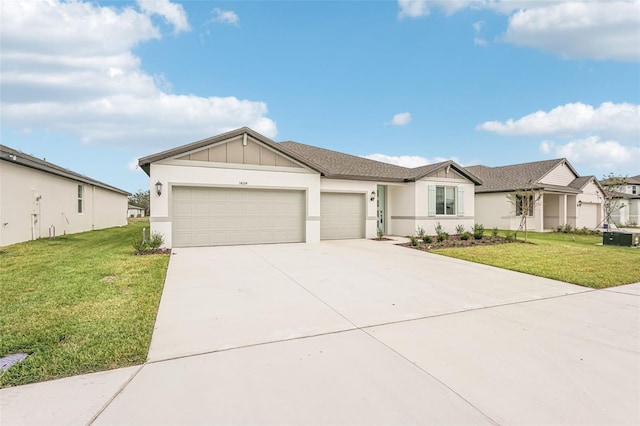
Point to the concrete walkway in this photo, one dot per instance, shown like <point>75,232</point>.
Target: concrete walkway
<point>361,332</point>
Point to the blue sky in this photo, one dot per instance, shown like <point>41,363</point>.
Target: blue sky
<point>92,86</point>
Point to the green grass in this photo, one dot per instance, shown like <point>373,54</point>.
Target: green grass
<point>77,303</point>
<point>566,257</point>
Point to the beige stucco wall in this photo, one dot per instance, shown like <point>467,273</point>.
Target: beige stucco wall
<point>494,210</point>
<point>408,206</point>
<point>357,187</point>
<point>175,173</point>
<point>590,217</point>
<point>23,218</point>
<point>561,175</point>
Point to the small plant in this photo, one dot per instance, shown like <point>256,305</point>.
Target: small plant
<point>421,232</point>
<point>380,233</point>
<point>155,241</point>
<point>427,239</point>
<point>511,237</point>
<point>438,228</point>
<point>465,236</point>
<point>494,232</point>
<point>139,244</point>
<point>414,240</point>
<point>460,229</point>
<point>567,228</point>
<point>478,231</point>
<point>442,236</point>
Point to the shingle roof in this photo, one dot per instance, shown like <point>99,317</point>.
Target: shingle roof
<point>340,165</point>
<point>581,182</point>
<point>337,164</point>
<point>18,157</point>
<point>329,163</point>
<point>633,180</point>
<point>517,176</point>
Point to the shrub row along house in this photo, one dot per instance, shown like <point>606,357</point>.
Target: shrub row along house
<point>243,188</point>
<point>38,199</point>
<point>558,196</point>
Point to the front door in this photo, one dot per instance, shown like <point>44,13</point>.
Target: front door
<point>382,209</point>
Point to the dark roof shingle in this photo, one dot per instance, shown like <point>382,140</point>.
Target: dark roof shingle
<point>18,157</point>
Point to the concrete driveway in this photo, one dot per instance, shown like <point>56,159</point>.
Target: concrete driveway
<point>362,332</point>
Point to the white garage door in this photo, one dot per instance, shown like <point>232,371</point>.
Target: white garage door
<point>227,216</point>
<point>341,215</point>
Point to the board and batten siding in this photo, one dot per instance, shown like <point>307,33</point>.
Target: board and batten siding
<point>561,175</point>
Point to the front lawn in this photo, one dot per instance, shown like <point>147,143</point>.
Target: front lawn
<point>571,258</point>
<point>77,303</point>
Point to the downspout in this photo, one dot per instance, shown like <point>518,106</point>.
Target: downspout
<point>93,205</point>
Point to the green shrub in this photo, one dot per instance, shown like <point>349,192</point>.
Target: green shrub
<point>511,237</point>
<point>567,228</point>
<point>465,236</point>
<point>380,233</point>
<point>427,239</point>
<point>494,232</point>
<point>442,236</point>
<point>421,232</point>
<point>156,241</point>
<point>414,240</point>
<point>478,231</point>
<point>460,229</point>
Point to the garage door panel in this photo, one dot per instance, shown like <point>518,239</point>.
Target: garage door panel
<point>226,216</point>
<point>342,216</point>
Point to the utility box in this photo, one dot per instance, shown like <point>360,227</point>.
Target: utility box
<point>623,239</point>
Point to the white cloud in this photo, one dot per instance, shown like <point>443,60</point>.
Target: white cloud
<point>407,160</point>
<point>133,164</point>
<point>596,30</point>
<point>605,155</point>
<point>412,8</point>
<point>401,119</point>
<point>478,28</point>
<point>69,66</point>
<point>173,13</point>
<point>620,121</point>
<point>225,16</point>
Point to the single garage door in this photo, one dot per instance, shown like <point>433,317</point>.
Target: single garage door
<point>342,215</point>
<point>227,216</point>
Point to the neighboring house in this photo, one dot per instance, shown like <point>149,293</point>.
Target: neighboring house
<point>242,188</point>
<point>566,198</point>
<point>38,199</point>
<point>135,211</point>
<point>628,201</point>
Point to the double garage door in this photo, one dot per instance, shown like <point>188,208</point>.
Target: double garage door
<point>227,216</point>
<point>205,216</point>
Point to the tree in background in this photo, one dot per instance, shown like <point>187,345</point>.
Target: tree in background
<point>140,199</point>
<point>614,187</point>
<point>525,202</point>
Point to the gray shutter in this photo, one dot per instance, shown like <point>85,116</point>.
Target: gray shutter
<point>432,200</point>
<point>460,200</point>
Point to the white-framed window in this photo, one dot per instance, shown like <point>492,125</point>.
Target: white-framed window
<point>80,198</point>
<point>445,200</point>
<point>634,190</point>
<point>524,202</point>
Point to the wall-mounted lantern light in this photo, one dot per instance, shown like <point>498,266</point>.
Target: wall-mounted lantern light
<point>373,195</point>
<point>159,188</point>
<point>579,203</point>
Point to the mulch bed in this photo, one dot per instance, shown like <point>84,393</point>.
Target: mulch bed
<point>455,241</point>
<point>153,251</point>
<point>382,239</point>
